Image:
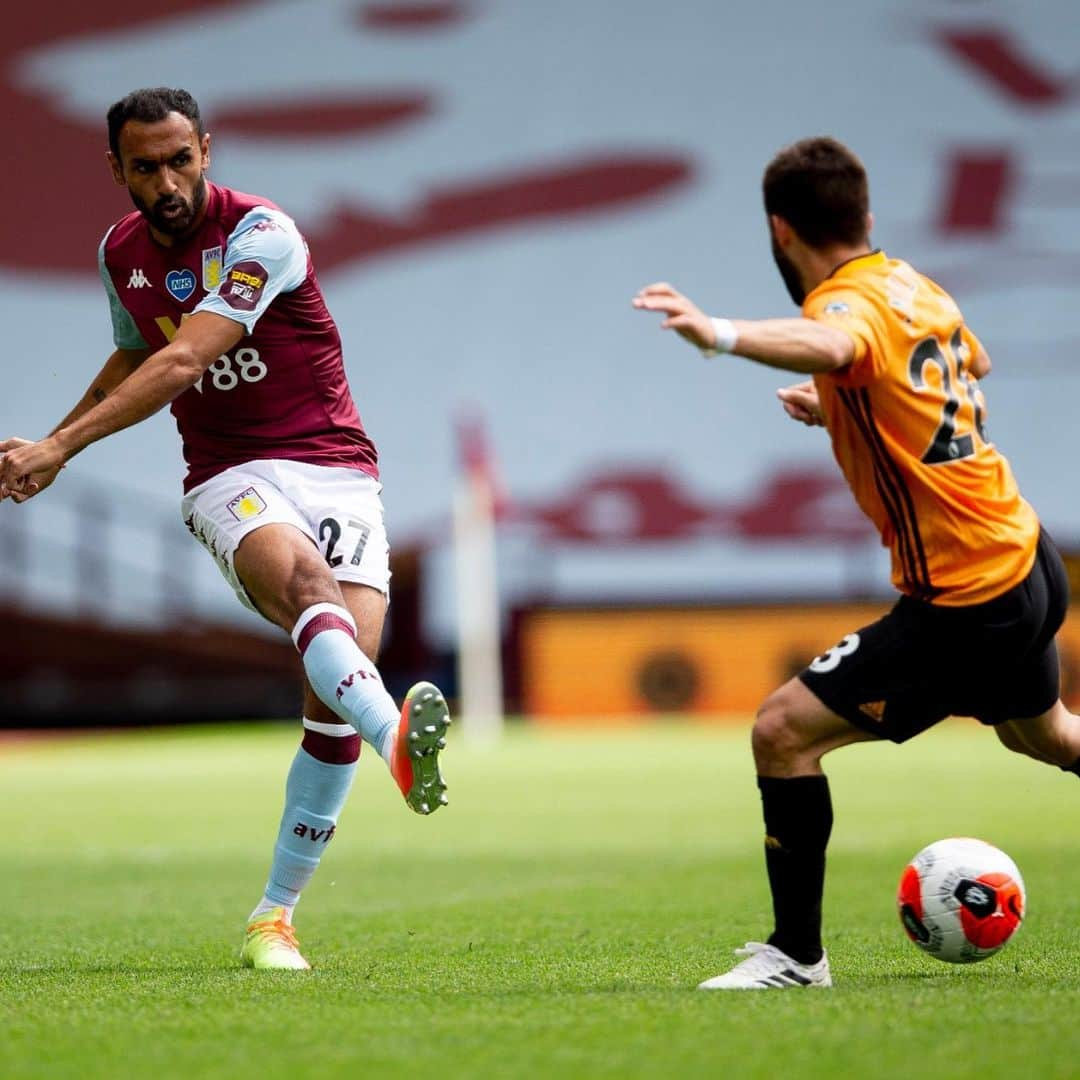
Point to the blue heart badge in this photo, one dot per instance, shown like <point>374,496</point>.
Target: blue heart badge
<point>180,283</point>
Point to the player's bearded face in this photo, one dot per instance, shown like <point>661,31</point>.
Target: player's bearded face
<point>173,214</point>
<point>162,163</point>
<point>789,274</point>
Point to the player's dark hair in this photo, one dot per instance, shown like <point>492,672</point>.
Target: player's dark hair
<point>819,187</point>
<point>148,106</point>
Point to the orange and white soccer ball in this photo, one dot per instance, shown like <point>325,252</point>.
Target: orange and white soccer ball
<point>961,899</point>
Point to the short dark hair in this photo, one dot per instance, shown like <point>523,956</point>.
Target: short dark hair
<point>819,187</point>
<point>148,106</point>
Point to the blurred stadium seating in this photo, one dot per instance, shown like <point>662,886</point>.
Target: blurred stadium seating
<point>483,187</point>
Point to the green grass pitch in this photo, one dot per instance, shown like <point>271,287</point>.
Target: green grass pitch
<point>553,921</point>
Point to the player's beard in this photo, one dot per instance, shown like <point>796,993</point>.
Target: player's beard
<point>789,274</point>
<point>179,224</point>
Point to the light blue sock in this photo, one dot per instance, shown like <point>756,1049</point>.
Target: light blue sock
<point>345,680</point>
<point>322,773</point>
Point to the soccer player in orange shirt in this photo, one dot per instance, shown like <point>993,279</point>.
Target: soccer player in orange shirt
<point>983,590</point>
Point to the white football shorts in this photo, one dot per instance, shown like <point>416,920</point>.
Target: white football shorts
<point>339,508</point>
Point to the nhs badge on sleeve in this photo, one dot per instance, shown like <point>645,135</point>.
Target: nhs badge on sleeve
<point>211,269</point>
<point>180,283</point>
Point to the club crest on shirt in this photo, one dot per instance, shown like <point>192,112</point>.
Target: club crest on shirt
<point>211,269</point>
<point>243,285</point>
<point>247,505</point>
<point>180,283</point>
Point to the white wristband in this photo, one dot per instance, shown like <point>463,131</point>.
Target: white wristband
<point>726,337</point>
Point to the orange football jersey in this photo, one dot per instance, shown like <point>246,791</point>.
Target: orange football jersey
<point>906,419</point>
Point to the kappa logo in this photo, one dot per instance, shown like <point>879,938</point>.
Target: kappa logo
<point>138,279</point>
<point>180,283</point>
<point>247,505</point>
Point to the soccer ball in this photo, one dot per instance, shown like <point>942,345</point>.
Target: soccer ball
<point>961,899</point>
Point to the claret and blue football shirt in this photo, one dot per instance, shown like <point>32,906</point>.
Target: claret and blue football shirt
<point>282,391</point>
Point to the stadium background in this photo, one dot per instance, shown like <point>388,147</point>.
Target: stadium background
<point>484,185</point>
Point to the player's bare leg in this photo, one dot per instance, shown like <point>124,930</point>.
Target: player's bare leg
<point>1012,740</point>
<point>793,731</point>
<point>791,734</point>
<point>1053,737</point>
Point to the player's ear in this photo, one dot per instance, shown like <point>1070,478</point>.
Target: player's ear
<point>204,147</point>
<point>869,223</point>
<point>116,167</point>
<point>781,230</point>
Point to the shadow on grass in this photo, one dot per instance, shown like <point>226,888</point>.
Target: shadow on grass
<point>923,979</point>
<point>379,985</point>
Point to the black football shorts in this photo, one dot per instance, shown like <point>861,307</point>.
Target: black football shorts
<point>922,662</point>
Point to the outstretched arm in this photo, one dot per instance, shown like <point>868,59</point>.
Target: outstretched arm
<point>117,368</point>
<point>802,345</point>
<point>141,392</point>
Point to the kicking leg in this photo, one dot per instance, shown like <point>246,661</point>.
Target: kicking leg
<point>792,733</point>
<point>412,754</point>
<point>290,583</point>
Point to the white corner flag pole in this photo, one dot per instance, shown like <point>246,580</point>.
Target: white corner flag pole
<point>479,660</point>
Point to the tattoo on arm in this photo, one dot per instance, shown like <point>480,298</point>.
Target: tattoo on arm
<point>99,394</point>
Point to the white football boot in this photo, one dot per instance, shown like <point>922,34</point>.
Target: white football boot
<point>767,968</point>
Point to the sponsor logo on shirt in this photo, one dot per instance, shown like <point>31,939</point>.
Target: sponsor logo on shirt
<point>211,268</point>
<point>180,283</point>
<point>837,307</point>
<point>247,505</point>
<point>243,285</point>
<point>138,279</point>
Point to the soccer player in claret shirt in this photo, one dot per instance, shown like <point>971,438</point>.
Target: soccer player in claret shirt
<point>216,311</point>
<point>983,590</point>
